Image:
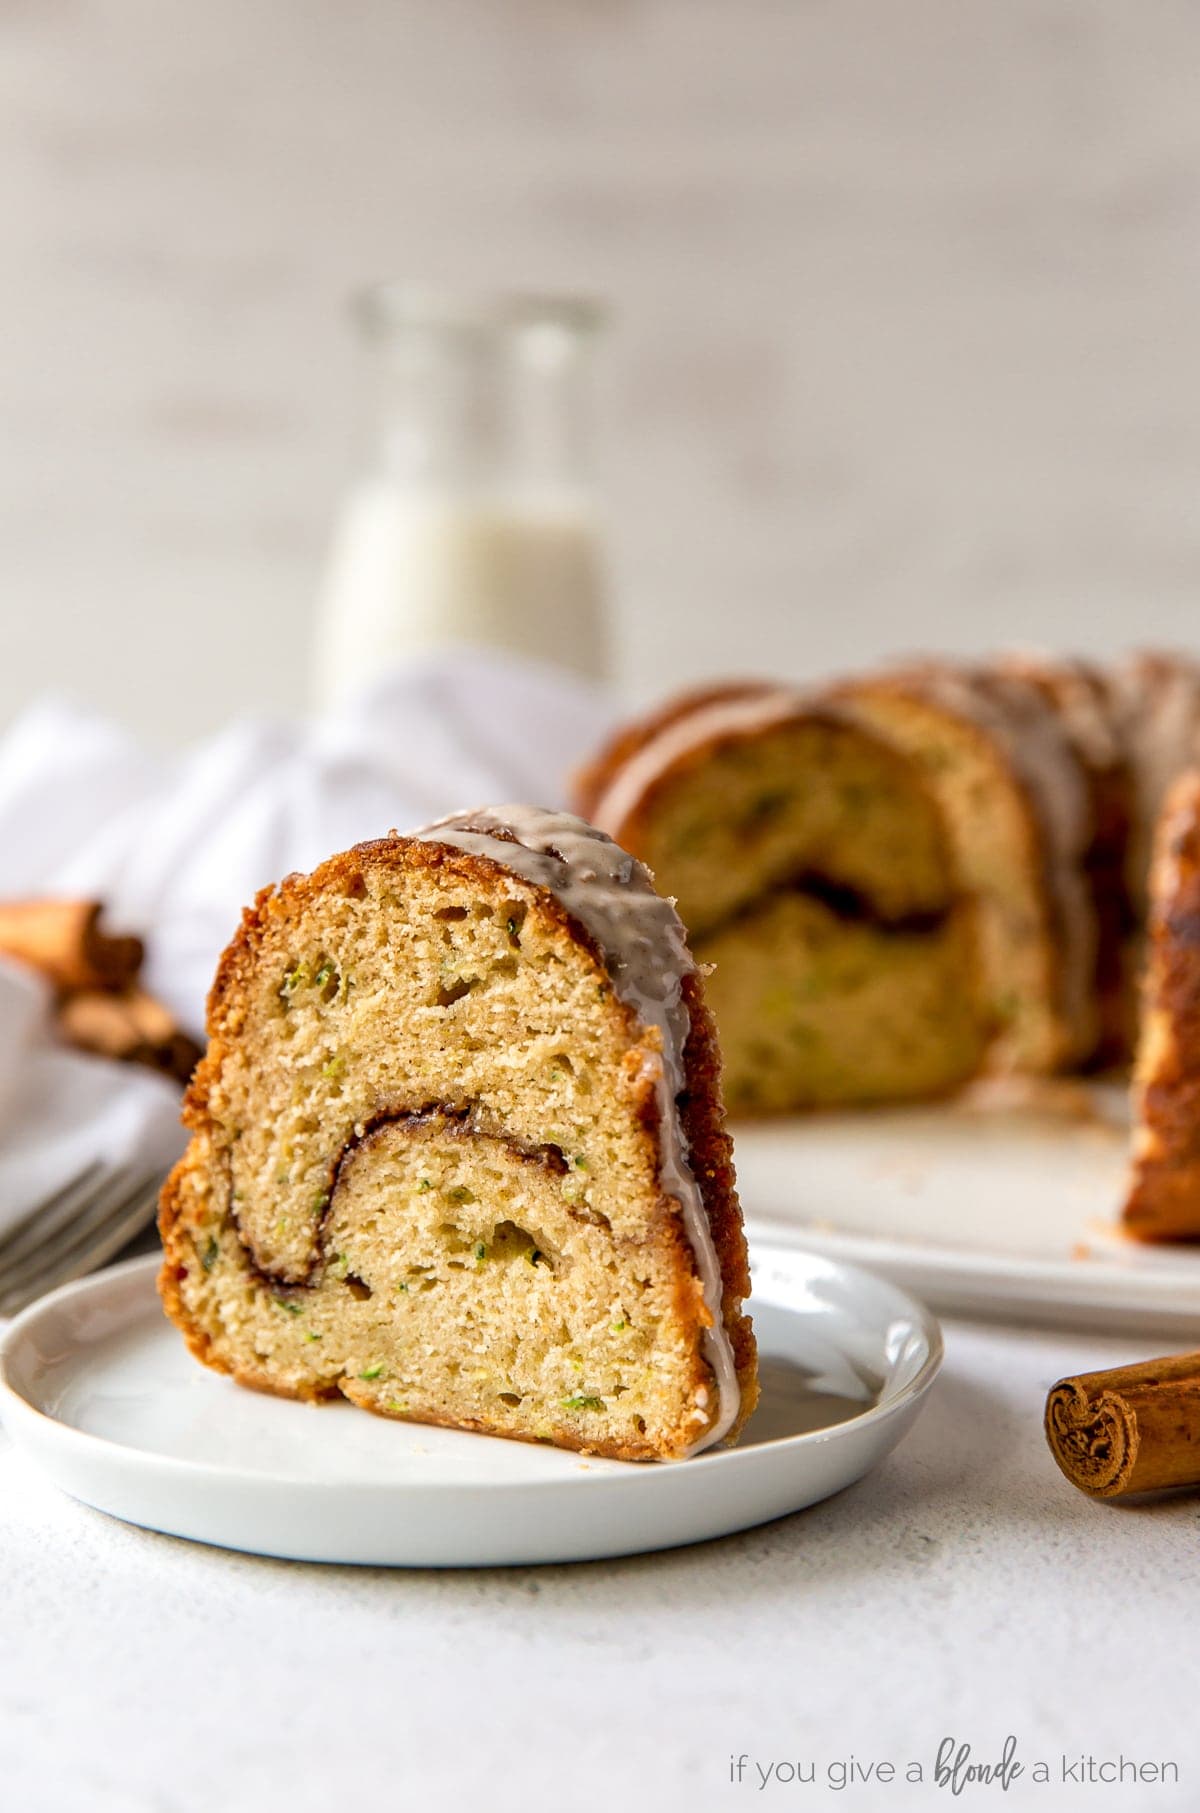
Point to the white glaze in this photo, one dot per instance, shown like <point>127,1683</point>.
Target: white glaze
<point>1082,694</point>
<point>1029,733</point>
<point>1158,702</point>
<point>645,950</point>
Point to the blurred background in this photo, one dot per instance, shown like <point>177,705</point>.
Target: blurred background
<point>906,353</point>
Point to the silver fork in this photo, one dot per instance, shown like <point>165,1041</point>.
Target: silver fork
<point>75,1230</point>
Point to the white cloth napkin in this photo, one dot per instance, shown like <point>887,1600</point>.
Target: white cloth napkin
<point>74,1111</point>
<point>61,1112</point>
<point>176,847</point>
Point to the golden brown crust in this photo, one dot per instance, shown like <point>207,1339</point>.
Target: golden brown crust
<point>185,1208</point>
<point>711,1159</point>
<point>589,784</point>
<point>1164,1198</point>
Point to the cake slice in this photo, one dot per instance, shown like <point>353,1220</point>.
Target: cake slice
<point>1164,1197</point>
<point>458,1151</point>
<point>809,861</point>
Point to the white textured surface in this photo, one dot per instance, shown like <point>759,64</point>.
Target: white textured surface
<point>909,294</point>
<point>963,1590</point>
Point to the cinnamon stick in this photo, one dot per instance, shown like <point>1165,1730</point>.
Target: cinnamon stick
<point>64,940</point>
<point>1131,1429</point>
<point>132,1026</point>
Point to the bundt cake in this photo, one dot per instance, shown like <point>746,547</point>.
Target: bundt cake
<point>1164,1198</point>
<point>458,1151</point>
<point>808,859</point>
<point>911,874</point>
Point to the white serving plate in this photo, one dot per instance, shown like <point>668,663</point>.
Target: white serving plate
<point>1004,1204</point>
<point>99,1391</point>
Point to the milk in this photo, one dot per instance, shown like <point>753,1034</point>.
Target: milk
<point>414,569</point>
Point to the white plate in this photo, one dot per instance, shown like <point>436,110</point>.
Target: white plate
<point>1002,1205</point>
<point>99,1390</point>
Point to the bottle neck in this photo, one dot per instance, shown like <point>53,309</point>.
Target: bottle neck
<point>481,406</point>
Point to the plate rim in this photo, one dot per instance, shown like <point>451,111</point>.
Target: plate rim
<point>590,1474</point>
<point>1089,1281</point>
<point>1084,1276</point>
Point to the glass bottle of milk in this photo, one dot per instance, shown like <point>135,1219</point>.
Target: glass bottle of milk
<point>474,519</point>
